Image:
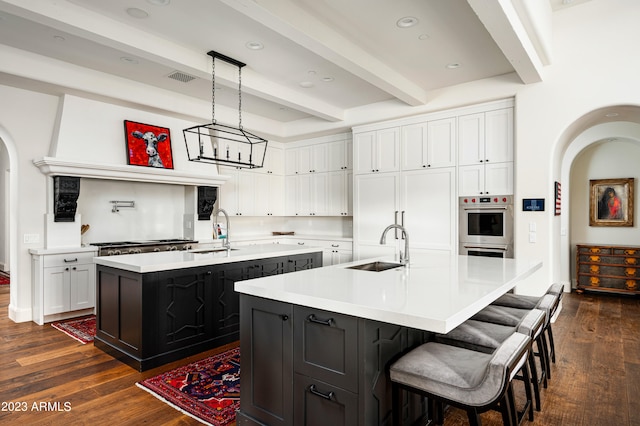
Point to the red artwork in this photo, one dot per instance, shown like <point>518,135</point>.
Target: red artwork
<point>148,145</point>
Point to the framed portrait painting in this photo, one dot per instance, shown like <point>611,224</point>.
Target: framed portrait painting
<point>148,145</point>
<point>611,202</point>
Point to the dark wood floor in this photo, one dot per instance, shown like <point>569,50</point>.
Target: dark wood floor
<point>595,381</point>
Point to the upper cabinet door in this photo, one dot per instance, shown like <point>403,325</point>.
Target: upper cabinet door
<point>441,143</point>
<point>429,145</point>
<point>312,159</point>
<point>414,147</point>
<point>499,136</point>
<point>387,153</point>
<point>340,155</point>
<point>273,161</point>
<point>471,139</point>
<point>364,145</point>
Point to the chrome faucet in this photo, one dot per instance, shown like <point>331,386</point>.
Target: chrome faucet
<point>383,240</point>
<point>227,243</point>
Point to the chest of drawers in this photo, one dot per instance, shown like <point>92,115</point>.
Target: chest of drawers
<point>608,268</point>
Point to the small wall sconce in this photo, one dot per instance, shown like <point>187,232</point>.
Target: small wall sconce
<point>118,204</point>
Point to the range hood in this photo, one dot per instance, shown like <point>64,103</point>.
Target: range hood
<point>59,167</point>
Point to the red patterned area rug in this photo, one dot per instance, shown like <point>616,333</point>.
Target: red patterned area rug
<point>4,278</point>
<point>207,390</point>
<point>82,329</point>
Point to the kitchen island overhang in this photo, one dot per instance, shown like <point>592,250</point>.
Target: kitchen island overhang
<point>436,292</point>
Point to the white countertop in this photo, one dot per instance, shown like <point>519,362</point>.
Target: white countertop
<point>435,293</point>
<point>168,260</point>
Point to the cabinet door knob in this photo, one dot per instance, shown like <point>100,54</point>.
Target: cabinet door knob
<point>284,317</point>
<point>74,268</point>
<point>66,269</point>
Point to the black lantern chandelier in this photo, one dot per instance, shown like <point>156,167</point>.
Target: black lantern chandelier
<point>220,144</point>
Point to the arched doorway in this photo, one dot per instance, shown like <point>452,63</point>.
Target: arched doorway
<point>600,131</point>
<point>10,182</point>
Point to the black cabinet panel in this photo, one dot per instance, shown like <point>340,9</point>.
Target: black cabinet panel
<point>326,346</point>
<point>184,307</point>
<point>267,330</point>
<point>320,404</point>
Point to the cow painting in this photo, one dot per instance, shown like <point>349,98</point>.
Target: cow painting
<point>151,141</point>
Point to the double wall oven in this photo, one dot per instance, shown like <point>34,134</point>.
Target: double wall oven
<point>486,226</point>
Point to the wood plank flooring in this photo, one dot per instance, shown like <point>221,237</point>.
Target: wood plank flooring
<point>595,381</point>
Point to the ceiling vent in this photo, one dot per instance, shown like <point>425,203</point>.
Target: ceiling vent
<point>180,76</point>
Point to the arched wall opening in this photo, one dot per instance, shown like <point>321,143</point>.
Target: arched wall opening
<point>12,217</point>
<point>598,150</point>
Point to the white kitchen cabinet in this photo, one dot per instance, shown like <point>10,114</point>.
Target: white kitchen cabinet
<point>237,195</point>
<point>422,200</point>
<point>485,137</point>
<point>273,161</point>
<point>429,145</point>
<point>377,151</point>
<point>340,155</point>
<point>483,179</point>
<point>269,195</point>
<point>336,253</point>
<point>339,193</point>
<point>428,208</point>
<point>306,159</point>
<point>375,206</point>
<point>64,285</point>
<point>485,153</point>
<point>313,194</point>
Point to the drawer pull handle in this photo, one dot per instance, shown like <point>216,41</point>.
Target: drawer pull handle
<point>335,245</point>
<point>313,319</point>
<point>330,396</point>
<point>70,260</point>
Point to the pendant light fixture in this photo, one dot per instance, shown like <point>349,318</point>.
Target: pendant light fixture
<point>221,144</point>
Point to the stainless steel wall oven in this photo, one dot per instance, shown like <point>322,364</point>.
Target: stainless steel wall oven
<point>486,226</point>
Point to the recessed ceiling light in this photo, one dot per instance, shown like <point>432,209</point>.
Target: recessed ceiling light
<point>59,38</point>
<point>311,72</point>
<point>134,12</point>
<point>453,65</point>
<point>254,45</point>
<point>159,2</point>
<point>423,36</point>
<point>406,22</point>
<point>306,84</point>
<point>129,60</point>
<point>327,79</point>
<point>611,114</point>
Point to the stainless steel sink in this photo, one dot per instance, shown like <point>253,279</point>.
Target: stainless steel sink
<point>376,266</point>
<point>214,250</point>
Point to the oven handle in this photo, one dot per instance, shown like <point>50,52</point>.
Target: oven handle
<point>486,248</point>
<point>485,208</point>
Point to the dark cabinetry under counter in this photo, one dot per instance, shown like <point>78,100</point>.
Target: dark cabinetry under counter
<point>305,366</point>
<point>149,319</point>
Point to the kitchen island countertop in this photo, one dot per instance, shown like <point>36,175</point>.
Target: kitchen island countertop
<point>437,292</point>
<point>169,260</point>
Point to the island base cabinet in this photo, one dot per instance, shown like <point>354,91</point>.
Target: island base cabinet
<point>150,319</point>
<point>305,366</point>
<point>318,404</point>
<point>266,328</point>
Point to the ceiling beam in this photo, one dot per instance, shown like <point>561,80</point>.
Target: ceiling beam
<point>81,22</point>
<point>289,20</point>
<point>501,20</point>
